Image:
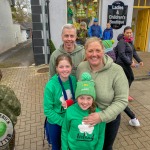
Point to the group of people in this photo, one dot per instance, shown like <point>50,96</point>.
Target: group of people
<point>94,30</point>
<point>87,92</point>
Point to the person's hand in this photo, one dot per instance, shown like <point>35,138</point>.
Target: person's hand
<point>64,104</point>
<point>141,63</point>
<point>92,119</point>
<point>133,65</point>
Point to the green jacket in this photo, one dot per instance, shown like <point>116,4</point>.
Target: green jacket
<point>76,135</point>
<point>112,88</point>
<point>53,97</point>
<point>77,56</point>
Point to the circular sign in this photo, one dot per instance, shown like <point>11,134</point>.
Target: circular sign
<point>6,130</point>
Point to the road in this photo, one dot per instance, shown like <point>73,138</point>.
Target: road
<point>21,55</point>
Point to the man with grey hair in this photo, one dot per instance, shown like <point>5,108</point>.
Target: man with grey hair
<point>69,47</point>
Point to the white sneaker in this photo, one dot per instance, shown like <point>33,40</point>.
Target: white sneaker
<point>134,122</point>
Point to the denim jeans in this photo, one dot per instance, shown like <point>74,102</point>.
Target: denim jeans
<point>54,134</point>
<point>111,132</point>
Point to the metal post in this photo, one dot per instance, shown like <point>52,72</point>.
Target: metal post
<point>48,19</point>
<point>44,31</point>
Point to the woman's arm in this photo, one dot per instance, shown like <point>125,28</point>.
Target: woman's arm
<point>48,105</point>
<point>122,52</point>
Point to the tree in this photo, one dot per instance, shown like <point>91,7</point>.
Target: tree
<point>21,11</point>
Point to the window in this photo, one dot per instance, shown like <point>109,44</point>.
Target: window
<point>82,10</point>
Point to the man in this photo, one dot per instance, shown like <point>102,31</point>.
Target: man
<point>95,29</point>
<point>108,32</point>
<point>69,47</point>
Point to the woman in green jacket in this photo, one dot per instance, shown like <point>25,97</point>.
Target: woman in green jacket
<point>58,94</point>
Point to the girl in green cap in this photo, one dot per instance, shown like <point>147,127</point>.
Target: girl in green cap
<point>75,133</point>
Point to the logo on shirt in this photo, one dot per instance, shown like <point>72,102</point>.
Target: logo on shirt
<point>87,130</point>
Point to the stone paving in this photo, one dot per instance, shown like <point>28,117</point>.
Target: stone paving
<point>28,86</point>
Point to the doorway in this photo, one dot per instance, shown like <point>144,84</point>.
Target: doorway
<point>142,29</point>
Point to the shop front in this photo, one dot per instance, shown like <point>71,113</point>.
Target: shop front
<point>82,10</point>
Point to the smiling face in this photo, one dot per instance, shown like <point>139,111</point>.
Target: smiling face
<point>95,54</point>
<point>85,101</point>
<point>69,38</point>
<point>64,69</point>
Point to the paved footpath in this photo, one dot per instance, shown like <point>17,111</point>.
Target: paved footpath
<point>28,86</point>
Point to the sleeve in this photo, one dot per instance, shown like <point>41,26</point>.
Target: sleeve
<point>78,35</point>
<point>100,32</point>
<point>48,106</point>
<point>90,32</point>
<point>120,99</point>
<point>111,34</point>
<point>64,133</point>
<point>104,35</point>
<point>101,138</point>
<point>135,55</point>
<point>121,52</point>
<point>52,66</point>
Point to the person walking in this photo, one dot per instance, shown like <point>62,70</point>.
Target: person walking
<point>69,47</point>
<point>110,52</point>
<point>82,33</point>
<point>58,95</point>
<point>125,54</point>
<point>111,96</point>
<point>76,134</point>
<point>108,32</point>
<point>95,29</point>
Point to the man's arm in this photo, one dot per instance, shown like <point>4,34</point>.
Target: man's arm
<point>100,32</point>
<point>52,68</point>
<point>90,32</point>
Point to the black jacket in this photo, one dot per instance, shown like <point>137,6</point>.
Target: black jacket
<point>126,52</point>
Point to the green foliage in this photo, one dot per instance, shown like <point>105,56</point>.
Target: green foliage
<point>20,13</point>
<point>51,46</point>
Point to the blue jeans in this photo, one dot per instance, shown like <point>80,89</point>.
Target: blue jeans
<point>111,132</point>
<point>54,135</point>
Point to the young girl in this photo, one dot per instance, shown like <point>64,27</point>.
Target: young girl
<point>75,133</point>
<point>58,91</point>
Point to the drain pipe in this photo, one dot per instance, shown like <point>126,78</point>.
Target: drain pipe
<point>48,2</point>
<point>44,30</point>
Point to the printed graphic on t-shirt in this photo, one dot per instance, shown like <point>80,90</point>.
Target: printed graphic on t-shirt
<point>87,130</point>
<point>69,95</point>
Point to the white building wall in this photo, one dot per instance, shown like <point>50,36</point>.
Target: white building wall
<point>104,10</point>
<point>58,17</point>
<point>6,29</point>
<point>10,34</point>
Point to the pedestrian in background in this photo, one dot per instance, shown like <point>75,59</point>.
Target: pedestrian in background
<point>82,33</point>
<point>69,47</point>
<point>58,95</point>
<point>95,29</point>
<point>75,134</point>
<point>125,54</point>
<point>111,96</point>
<point>108,32</point>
